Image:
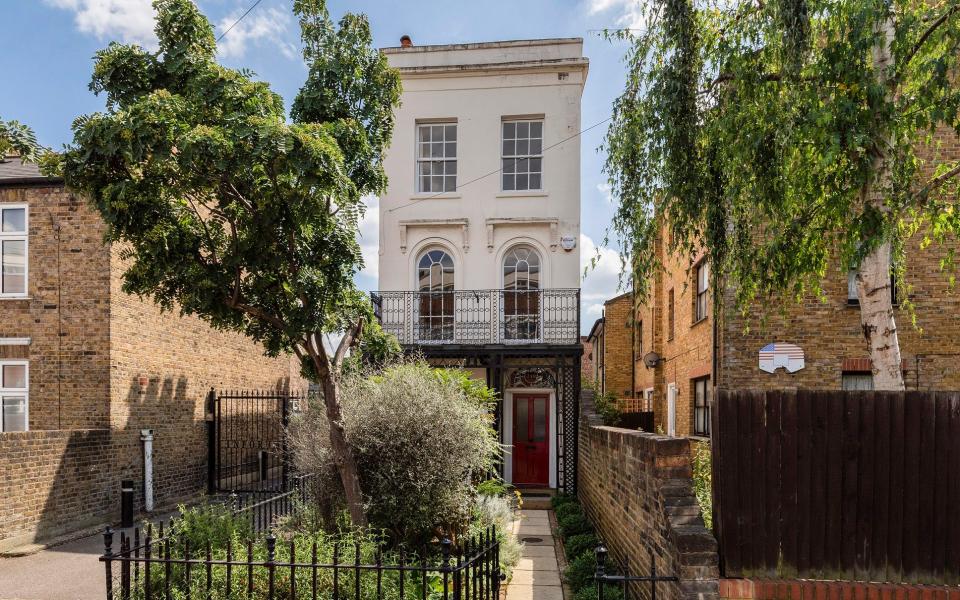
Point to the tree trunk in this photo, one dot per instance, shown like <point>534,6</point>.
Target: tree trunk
<point>873,279</point>
<point>342,455</point>
<point>876,318</point>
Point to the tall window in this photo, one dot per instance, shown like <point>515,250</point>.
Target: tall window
<point>14,385</point>
<point>13,250</point>
<point>437,157</point>
<point>703,284</point>
<point>639,340</point>
<point>521,298</point>
<point>435,282</point>
<point>701,406</point>
<point>670,314</point>
<point>522,155</point>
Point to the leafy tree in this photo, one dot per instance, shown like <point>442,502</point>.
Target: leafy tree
<point>783,137</point>
<point>226,210</point>
<point>19,138</point>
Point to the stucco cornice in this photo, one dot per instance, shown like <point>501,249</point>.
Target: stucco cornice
<point>463,224</point>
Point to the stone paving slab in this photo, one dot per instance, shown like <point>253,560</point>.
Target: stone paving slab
<point>537,575</point>
<point>537,563</point>
<point>535,578</point>
<point>535,592</point>
<point>530,551</point>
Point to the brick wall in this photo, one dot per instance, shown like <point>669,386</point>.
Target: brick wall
<point>54,481</point>
<point>798,589</point>
<point>66,314</point>
<point>618,346</point>
<point>637,489</point>
<point>586,359</point>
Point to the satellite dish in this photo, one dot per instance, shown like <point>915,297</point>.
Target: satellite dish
<point>651,359</point>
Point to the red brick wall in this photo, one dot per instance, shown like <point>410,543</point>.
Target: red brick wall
<point>618,346</point>
<point>797,589</point>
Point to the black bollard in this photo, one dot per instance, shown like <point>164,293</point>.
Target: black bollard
<point>126,503</point>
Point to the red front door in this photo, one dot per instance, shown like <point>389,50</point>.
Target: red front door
<point>531,439</point>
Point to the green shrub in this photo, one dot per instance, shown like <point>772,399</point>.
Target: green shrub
<point>209,522</point>
<point>492,487</point>
<point>565,510</point>
<point>562,499</point>
<point>575,545</point>
<point>420,437</point>
<point>589,592</point>
<point>702,484</point>
<point>499,512</point>
<point>581,570</point>
<point>608,408</point>
<point>573,525</point>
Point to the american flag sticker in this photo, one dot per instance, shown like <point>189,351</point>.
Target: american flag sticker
<point>776,355</point>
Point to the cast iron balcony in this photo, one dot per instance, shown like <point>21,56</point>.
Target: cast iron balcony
<point>479,317</point>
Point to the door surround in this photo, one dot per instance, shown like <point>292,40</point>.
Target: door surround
<point>508,430</point>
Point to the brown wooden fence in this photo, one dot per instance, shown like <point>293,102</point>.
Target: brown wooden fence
<point>838,485</point>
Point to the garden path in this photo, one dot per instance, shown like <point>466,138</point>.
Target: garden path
<point>537,575</point>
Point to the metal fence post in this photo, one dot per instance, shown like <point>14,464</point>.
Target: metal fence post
<point>285,452</point>
<point>445,569</point>
<point>211,441</point>
<point>107,558</point>
<point>601,553</point>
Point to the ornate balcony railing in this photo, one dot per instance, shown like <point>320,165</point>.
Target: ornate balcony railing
<point>476,317</point>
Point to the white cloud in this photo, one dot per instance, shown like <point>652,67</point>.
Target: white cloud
<point>130,20</point>
<point>629,14</point>
<point>370,237</point>
<point>602,279</point>
<point>269,25</point>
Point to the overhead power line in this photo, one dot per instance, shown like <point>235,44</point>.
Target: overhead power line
<point>238,20</point>
<point>494,172</point>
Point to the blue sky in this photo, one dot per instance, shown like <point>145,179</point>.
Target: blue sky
<point>50,45</point>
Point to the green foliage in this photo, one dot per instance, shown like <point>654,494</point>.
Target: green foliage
<point>582,543</point>
<point>421,439</point>
<point>561,499</point>
<point>702,480</point>
<point>580,570</point>
<point>492,487</point>
<point>574,524</point>
<point>498,512</point>
<point>209,522</point>
<point>20,139</point>
<point>762,132</point>
<point>565,510</point>
<point>608,408</point>
<point>589,592</point>
<point>224,208</point>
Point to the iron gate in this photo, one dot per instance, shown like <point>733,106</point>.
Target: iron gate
<point>643,587</point>
<point>247,442</point>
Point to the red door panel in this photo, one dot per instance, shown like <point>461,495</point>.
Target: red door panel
<point>531,439</point>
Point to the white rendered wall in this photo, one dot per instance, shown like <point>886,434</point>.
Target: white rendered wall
<point>478,98</point>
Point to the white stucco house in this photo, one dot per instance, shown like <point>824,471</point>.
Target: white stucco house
<point>478,259</point>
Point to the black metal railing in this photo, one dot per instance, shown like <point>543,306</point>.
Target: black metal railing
<point>265,569</point>
<point>633,586</point>
<point>481,316</point>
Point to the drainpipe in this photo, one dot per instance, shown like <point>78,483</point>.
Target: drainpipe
<point>146,436</point>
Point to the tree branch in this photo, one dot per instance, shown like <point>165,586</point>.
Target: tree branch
<point>954,8</point>
<point>257,313</point>
<point>350,339</point>
<point>936,182</point>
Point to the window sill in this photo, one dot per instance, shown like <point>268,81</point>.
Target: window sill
<point>437,195</point>
<point>2,298</point>
<point>524,194</point>
<point>698,321</point>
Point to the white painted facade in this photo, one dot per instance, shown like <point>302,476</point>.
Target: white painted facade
<point>478,87</point>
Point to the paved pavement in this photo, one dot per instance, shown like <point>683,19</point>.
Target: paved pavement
<point>70,571</point>
<point>537,575</point>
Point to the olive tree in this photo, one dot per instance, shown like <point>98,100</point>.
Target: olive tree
<point>226,210</point>
<point>782,137</point>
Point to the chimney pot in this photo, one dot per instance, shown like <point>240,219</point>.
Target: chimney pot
<point>405,41</point>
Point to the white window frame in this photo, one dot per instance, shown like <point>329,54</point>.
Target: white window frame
<point>421,160</point>
<point>18,392</point>
<point>705,409</point>
<point>529,156</point>
<point>23,236</point>
<point>702,274</point>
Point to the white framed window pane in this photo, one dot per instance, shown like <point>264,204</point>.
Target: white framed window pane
<point>14,413</point>
<point>509,130</point>
<point>450,149</point>
<point>509,165</point>
<point>522,183</point>
<point>424,133</point>
<point>14,377</point>
<point>509,147</point>
<point>508,182</point>
<point>852,285</point>
<point>523,129</point>
<point>536,146</point>
<point>536,129</point>
<point>536,165</point>
<point>450,133</point>
<point>436,182</point>
<point>13,269</point>
<point>535,183</point>
<point>14,220</point>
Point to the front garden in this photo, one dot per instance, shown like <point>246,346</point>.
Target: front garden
<point>437,520</point>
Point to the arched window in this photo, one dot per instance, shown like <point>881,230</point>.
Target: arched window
<point>521,269</point>
<point>435,272</point>
<point>521,301</point>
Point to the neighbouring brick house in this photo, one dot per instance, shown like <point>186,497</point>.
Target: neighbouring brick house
<point>694,351</point>
<point>612,339</point>
<point>85,367</point>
